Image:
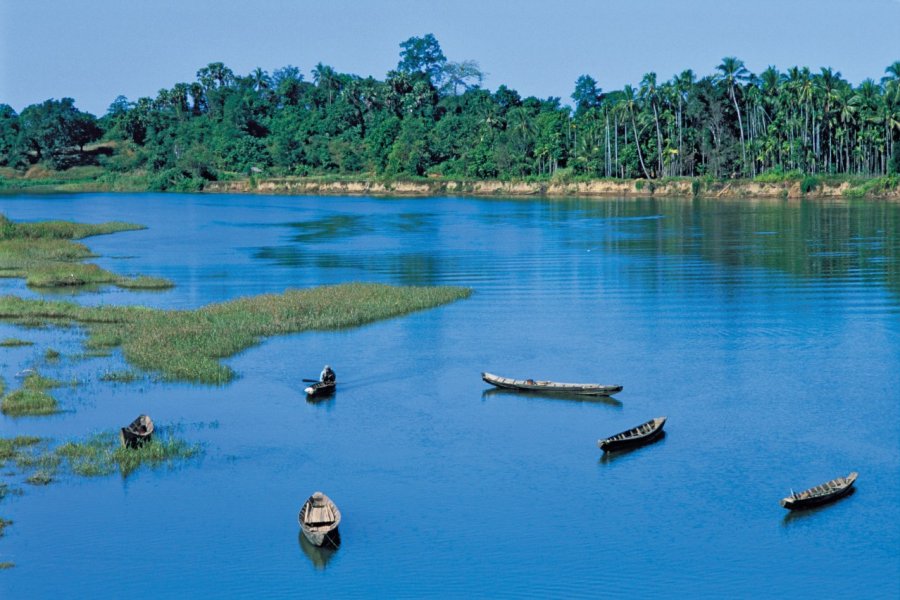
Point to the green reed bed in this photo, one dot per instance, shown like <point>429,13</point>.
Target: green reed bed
<point>13,342</point>
<point>188,345</point>
<point>103,454</point>
<point>44,254</point>
<point>121,376</point>
<point>32,398</point>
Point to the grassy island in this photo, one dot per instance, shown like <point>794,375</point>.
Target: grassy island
<point>45,255</point>
<point>187,345</point>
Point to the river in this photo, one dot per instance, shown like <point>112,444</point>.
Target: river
<point>768,332</point>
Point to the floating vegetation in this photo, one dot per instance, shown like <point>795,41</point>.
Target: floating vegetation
<point>13,342</point>
<point>51,354</point>
<point>187,345</point>
<point>103,454</point>
<point>11,447</point>
<point>3,525</point>
<point>32,398</point>
<point>44,254</point>
<point>7,565</point>
<point>121,376</point>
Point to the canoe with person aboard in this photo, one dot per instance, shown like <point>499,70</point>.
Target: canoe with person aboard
<point>530,385</point>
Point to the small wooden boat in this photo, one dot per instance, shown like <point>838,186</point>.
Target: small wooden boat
<point>642,434</point>
<point>530,385</point>
<point>320,389</point>
<point>139,431</point>
<point>319,519</point>
<point>821,494</point>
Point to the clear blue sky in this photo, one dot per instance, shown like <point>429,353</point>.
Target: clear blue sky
<point>94,50</point>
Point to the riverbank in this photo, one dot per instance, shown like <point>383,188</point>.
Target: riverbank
<point>94,179</point>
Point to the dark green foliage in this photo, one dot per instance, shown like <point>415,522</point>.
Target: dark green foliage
<point>809,184</point>
<point>429,117</point>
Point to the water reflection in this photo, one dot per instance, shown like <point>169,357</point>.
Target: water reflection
<point>319,556</point>
<point>581,398</point>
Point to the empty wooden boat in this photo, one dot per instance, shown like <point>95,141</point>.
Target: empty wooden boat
<point>320,389</point>
<point>530,385</point>
<point>642,434</point>
<point>821,494</point>
<point>319,519</point>
<point>139,431</point>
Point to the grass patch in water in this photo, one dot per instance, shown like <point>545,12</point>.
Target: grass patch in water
<point>121,376</point>
<point>44,254</point>
<point>4,524</point>
<point>188,345</point>
<point>103,454</point>
<point>6,565</point>
<point>31,403</point>
<point>32,398</point>
<point>144,282</point>
<point>51,354</point>
<point>10,447</point>
<point>13,342</point>
<point>39,478</point>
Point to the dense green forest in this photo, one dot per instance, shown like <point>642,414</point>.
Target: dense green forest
<point>430,117</point>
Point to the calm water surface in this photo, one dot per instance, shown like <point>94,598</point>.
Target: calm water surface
<point>767,332</point>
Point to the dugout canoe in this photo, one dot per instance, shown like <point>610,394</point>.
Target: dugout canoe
<point>637,436</point>
<point>531,385</point>
<point>820,494</point>
<point>137,433</point>
<point>319,519</point>
<point>320,389</point>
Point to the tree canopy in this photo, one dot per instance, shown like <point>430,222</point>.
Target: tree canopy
<point>430,116</point>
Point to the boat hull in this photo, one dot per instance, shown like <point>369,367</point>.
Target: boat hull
<point>800,503</point>
<point>320,389</point>
<point>634,437</point>
<point>323,539</point>
<point>551,387</point>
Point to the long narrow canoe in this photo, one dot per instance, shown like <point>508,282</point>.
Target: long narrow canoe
<point>642,434</point>
<point>319,518</point>
<point>137,432</point>
<point>530,385</point>
<point>821,494</point>
<point>320,389</point>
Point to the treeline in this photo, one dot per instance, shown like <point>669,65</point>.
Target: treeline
<point>430,117</point>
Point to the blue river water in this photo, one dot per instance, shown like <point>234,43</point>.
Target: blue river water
<point>768,332</point>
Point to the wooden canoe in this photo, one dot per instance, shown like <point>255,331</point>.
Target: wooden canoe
<point>320,389</point>
<point>642,434</point>
<point>319,519</point>
<point>821,494</point>
<point>530,385</point>
<point>139,431</point>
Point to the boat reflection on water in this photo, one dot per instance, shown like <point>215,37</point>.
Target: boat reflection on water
<point>566,397</point>
<point>614,455</point>
<point>320,556</point>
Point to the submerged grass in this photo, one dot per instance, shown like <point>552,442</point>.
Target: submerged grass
<point>121,376</point>
<point>45,256</point>
<point>188,345</point>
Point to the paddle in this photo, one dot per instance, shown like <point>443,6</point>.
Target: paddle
<point>310,380</point>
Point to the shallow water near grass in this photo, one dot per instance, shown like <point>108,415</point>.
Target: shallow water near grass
<point>767,332</point>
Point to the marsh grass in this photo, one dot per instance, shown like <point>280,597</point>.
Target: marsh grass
<point>44,254</point>
<point>10,448</point>
<point>39,478</point>
<point>188,345</point>
<point>121,376</point>
<point>4,523</point>
<point>13,342</point>
<point>50,354</point>
<point>32,398</point>
<point>103,454</point>
<point>7,565</point>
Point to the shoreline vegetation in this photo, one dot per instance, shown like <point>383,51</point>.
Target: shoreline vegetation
<point>428,127</point>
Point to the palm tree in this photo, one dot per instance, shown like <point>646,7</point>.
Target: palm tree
<point>733,72</point>
<point>629,103</point>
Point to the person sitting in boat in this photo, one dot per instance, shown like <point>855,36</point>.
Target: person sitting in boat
<point>327,375</point>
